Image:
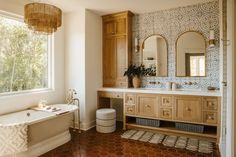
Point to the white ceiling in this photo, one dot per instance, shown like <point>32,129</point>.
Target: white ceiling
<point>110,6</point>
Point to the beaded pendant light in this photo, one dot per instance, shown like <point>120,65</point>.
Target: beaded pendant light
<point>42,17</point>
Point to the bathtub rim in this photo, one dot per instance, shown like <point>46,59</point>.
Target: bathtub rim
<point>53,115</point>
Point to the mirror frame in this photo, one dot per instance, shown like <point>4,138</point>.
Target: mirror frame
<point>205,41</point>
<point>167,47</point>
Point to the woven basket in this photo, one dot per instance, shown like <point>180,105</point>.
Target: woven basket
<point>189,127</point>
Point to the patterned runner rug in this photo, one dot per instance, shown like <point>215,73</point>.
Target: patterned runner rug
<point>170,141</point>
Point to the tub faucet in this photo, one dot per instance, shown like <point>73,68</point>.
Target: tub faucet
<point>71,100</point>
<point>74,100</point>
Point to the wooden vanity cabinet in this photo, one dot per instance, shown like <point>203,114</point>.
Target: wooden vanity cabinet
<point>168,109</point>
<point>117,48</point>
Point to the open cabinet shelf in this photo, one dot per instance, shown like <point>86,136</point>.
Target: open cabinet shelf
<point>168,128</point>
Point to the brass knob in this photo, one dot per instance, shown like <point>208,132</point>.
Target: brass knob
<point>166,113</point>
<point>210,117</point>
<point>210,104</point>
<point>187,109</point>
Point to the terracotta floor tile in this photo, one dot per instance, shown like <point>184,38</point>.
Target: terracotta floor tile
<point>93,144</point>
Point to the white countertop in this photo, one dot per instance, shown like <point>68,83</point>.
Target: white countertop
<point>196,92</point>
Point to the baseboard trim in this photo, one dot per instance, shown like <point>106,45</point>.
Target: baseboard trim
<point>46,145</point>
<point>86,126</point>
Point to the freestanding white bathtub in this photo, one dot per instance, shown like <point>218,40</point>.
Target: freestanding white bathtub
<point>46,130</point>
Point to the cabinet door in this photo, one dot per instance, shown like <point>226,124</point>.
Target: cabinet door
<point>121,61</point>
<point>109,28</point>
<point>109,60</point>
<point>147,105</point>
<point>120,26</point>
<point>188,109</point>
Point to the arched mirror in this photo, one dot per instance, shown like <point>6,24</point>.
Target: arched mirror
<point>191,55</point>
<point>154,55</point>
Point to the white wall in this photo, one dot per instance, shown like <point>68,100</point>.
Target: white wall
<point>22,101</point>
<point>83,37</point>
<point>75,55</point>
<point>93,53</point>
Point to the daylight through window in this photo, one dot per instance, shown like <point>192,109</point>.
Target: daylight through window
<point>23,57</point>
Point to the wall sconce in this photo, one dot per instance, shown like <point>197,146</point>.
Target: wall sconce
<point>212,39</point>
<point>136,45</point>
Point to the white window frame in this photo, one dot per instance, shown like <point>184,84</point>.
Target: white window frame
<point>50,58</point>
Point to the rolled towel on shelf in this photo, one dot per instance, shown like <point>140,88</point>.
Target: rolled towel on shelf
<point>13,139</point>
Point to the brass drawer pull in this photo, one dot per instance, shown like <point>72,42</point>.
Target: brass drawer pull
<point>209,117</point>
<point>130,109</point>
<point>188,109</point>
<point>147,106</point>
<point>210,104</point>
<point>166,113</point>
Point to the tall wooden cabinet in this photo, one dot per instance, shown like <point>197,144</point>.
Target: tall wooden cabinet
<point>117,48</point>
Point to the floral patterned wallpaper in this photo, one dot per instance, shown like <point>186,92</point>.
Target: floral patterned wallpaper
<point>170,24</point>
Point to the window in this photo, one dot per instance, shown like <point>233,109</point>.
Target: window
<point>197,64</point>
<point>24,57</point>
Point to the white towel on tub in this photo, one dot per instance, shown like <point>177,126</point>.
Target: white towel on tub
<point>13,139</point>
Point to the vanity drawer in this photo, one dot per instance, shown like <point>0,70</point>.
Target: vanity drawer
<point>111,94</point>
<point>166,113</point>
<point>210,117</point>
<point>106,94</point>
<point>118,95</point>
<point>130,98</point>
<point>130,109</point>
<point>210,104</point>
<point>166,101</point>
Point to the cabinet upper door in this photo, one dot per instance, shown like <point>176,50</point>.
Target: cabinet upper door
<point>188,109</point>
<point>120,26</point>
<point>109,60</point>
<point>147,105</point>
<point>116,26</point>
<point>109,27</point>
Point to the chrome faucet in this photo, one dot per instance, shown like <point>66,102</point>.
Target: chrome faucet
<point>71,100</point>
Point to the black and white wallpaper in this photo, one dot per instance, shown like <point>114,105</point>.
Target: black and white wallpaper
<point>170,24</point>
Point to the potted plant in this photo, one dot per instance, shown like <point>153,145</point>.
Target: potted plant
<point>136,72</point>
